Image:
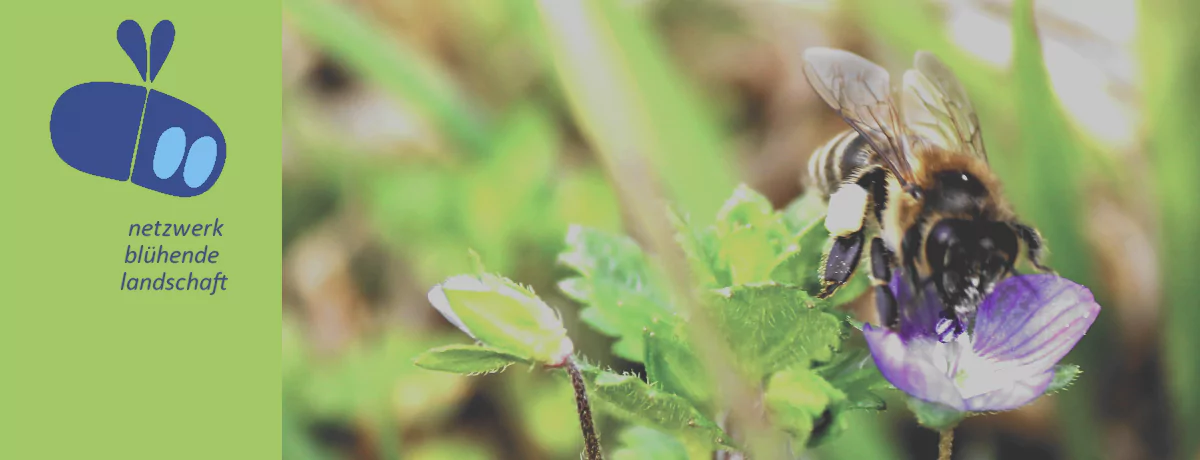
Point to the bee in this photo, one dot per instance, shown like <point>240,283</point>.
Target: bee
<point>913,175</point>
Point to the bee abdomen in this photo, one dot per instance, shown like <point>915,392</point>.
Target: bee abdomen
<point>837,161</point>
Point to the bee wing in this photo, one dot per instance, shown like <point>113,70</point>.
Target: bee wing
<point>860,91</point>
<point>937,109</point>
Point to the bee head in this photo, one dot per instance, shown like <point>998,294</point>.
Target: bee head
<point>967,257</point>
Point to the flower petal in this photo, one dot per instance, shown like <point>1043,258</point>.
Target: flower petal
<point>918,315</point>
<point>910,366</point>
<point>1032,321</point>
<point>437,297</point>
<point>1019,393</point>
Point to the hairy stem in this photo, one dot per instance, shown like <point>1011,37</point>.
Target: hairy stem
<point>591,442</point>
<point>945,444</point>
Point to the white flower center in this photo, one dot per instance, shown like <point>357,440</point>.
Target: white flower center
<point>972,374</point>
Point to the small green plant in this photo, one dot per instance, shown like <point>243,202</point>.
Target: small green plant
<point>756,270</point>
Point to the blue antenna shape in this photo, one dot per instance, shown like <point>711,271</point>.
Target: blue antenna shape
<point>161,40</point>
<point>133,41</point>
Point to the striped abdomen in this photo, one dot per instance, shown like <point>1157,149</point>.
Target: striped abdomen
<point>837,161</point>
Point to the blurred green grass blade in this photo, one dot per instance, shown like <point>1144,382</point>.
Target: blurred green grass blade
<point>1170,60</point>
<point>631,102</point>
<point>391,63</point>
<point>1054,204</point>
<point>1052,155</point>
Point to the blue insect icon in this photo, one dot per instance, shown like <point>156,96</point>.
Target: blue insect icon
<point>131,132</point>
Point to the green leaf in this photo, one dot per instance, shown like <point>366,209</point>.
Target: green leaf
<point>935,416</point>
<point>745,208</point>
<point>805,211</point>
<point>854,373</point>
<point>466,359</point>
<point>752,236</point>
<point>702,249</point>
<point>623,294</point>
<point>671,364</point>
<point>798,398</point>
<point>630,398</point>
<point>749,254</point>
<point>644,443</point>
<point>802,267</point>
<point>1064,376</point>
<point>772,327</point>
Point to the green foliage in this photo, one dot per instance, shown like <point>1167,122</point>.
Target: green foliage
<point>935,416</point>
<point>777,332</point>
<point>1064,376</point>
<point>799,398</point>
<point>616,282</point>
<point>466,359</point>
<point>671,364</point>
<point>631,398</point>
<point>643,443</point>
<point>503,315</point>
<point>772,327</point>
<point>853,371</point>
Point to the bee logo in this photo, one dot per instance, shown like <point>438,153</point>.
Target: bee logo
<point>131,132</point>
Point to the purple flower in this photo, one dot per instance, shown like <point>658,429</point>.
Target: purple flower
<point>1021,330</point>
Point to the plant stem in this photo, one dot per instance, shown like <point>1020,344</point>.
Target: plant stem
<point>591,442</point>
<point>945,444</point>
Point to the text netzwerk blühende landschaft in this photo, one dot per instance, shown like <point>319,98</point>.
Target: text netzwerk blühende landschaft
<point>160,254</point>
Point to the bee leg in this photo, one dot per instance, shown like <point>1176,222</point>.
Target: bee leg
<point>841,262</point>
<point>1035,246</point>
<point>881,275</point>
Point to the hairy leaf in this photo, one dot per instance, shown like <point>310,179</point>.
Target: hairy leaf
<point>630,398</point>
<point>854,373</point>
<point>771,327</point>
<point>616,282</point>
<point>671,364</point>
<point>466,359</point>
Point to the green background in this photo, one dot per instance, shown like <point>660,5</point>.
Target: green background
<point>88,370</point>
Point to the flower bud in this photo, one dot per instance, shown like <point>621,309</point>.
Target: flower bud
<point>504,315</point>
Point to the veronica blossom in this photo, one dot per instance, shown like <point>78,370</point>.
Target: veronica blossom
<point>1004,360</point>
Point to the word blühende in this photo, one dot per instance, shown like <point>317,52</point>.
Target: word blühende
<point>162,254</point>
